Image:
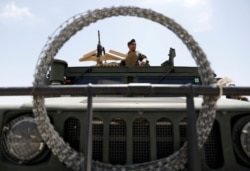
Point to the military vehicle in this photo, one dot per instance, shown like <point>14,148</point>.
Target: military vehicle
<point>128,118</point>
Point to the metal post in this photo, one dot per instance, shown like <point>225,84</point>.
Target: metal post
<point>88,142</point>
<point>193,155</point>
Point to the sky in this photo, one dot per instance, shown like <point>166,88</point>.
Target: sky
<point>220,27</point>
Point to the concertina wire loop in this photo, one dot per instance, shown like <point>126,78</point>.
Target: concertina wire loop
<point>75,160</point>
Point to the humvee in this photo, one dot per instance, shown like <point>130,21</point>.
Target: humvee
<point>124,118</point>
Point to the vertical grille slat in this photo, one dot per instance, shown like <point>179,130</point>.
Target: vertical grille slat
<point>97,128</point>
<point>117,141</point>
<point>72,132</point>
<point>141,141</point>
<point>164,138</point>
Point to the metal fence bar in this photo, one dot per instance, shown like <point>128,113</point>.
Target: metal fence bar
<point>88,140</point>
<point>193,155</point>
<point>140,89</point>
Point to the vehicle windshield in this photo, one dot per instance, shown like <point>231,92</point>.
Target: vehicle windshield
<point>138,79</point>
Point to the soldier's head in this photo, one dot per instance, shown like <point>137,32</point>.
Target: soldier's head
<point>132,45</point>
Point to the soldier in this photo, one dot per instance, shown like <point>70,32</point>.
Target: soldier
<point>134,58</point>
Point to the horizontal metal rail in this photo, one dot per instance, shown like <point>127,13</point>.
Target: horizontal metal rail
<point>131,89</point>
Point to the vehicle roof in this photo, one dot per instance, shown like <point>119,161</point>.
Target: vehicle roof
<point>130,103</point>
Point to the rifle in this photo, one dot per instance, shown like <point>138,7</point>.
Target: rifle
<point>100,48</point>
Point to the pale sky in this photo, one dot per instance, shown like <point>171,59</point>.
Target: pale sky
<point>222,28</point>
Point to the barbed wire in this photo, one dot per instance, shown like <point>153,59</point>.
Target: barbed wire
<point>75,160</point>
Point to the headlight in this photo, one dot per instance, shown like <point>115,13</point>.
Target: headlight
<point>21,140</point>
<point>245,139</point>
<point>241,139</point>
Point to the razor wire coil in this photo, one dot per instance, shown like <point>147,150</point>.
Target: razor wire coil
<point>73,159</point>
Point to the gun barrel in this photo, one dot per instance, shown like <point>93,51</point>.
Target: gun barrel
<point>99,39</point>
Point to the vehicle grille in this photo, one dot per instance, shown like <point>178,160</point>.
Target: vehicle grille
<point>212,147</point>
<point>72,132</point>
<point>117,141</point>
<point>142,140</point>
<point>97,139</point>
<point>164,138</point>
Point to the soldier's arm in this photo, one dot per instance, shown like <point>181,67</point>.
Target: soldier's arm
<point>142,57</point>
<point>122,63</point>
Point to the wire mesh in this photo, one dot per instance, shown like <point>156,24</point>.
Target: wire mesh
<point>141,141</point>
<point>164,138</point>
<point>97,139</point>
<point>117,141</point>
<point>213,148</point>
<point>72,132</point>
